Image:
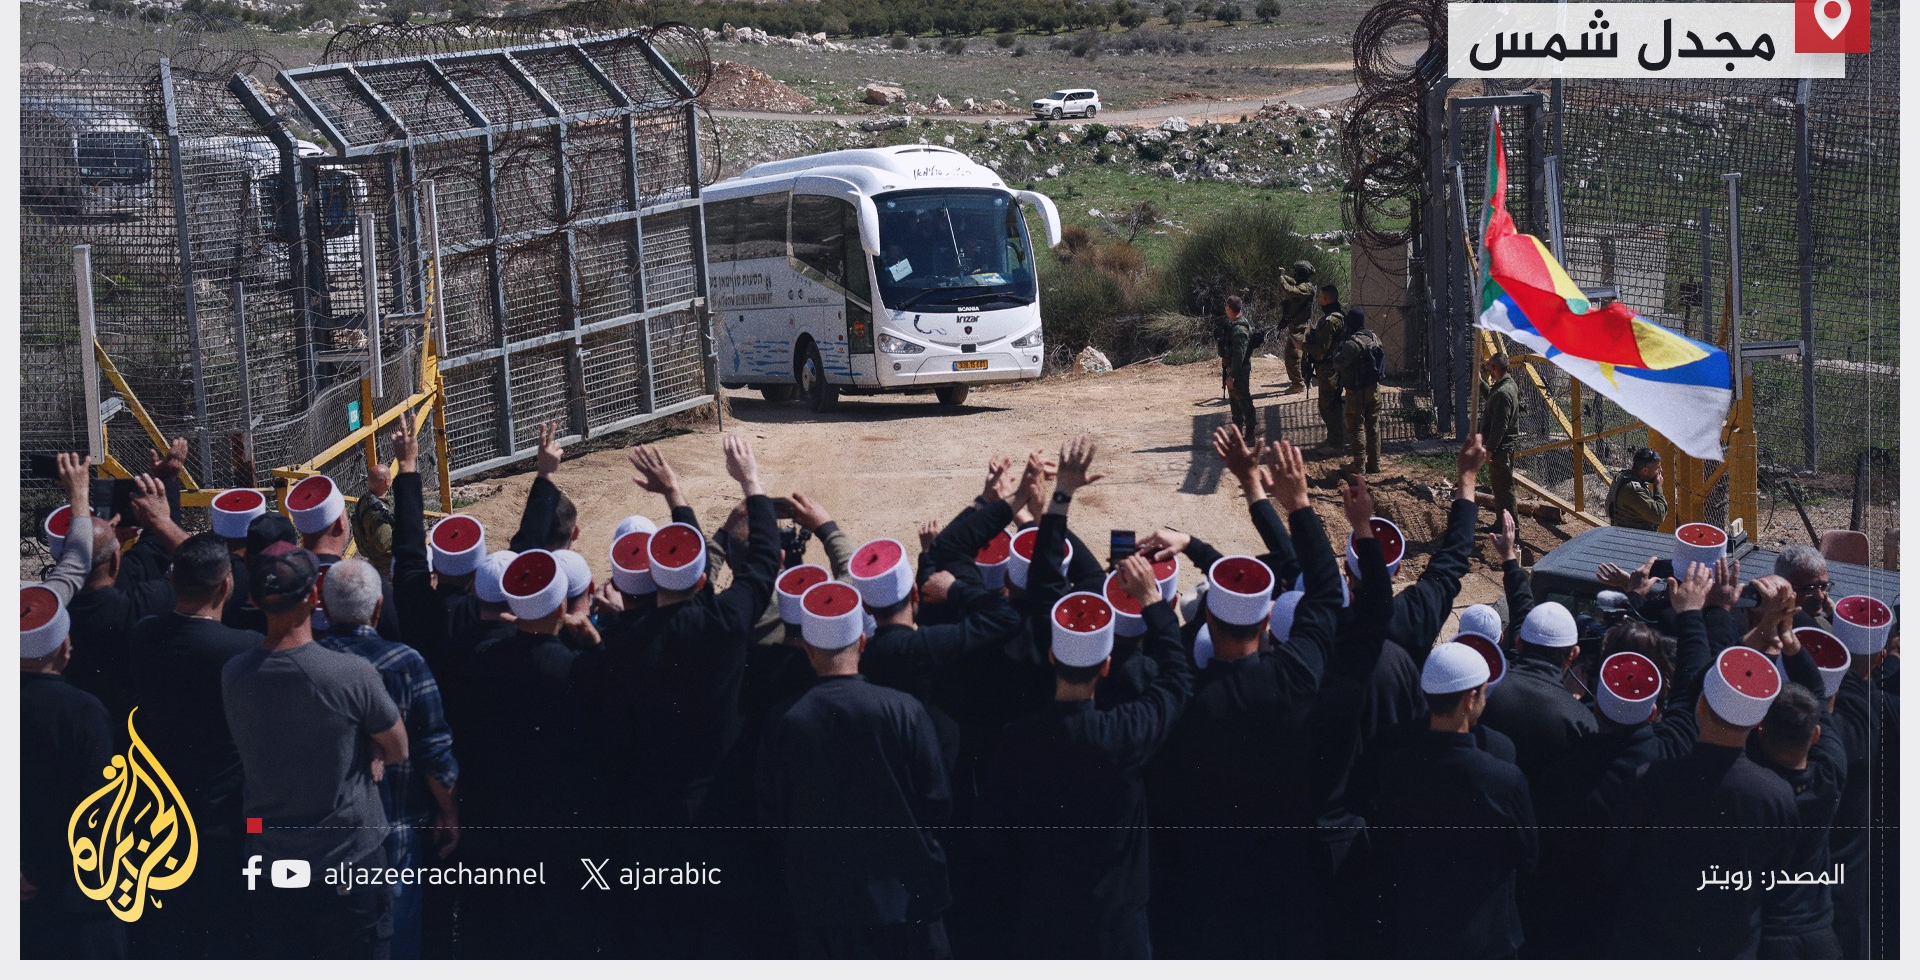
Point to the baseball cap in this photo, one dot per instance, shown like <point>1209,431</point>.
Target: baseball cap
<point>267,528</point>
<point>282,573</point>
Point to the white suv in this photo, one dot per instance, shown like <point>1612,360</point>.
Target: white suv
<point>1068,102</point>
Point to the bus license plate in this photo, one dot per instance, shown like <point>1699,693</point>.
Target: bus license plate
<point>969,365</point>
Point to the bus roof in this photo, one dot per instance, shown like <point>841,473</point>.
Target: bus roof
<point>875,171</point>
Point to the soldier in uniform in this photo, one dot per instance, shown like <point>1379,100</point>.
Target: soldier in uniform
<point>1236,366</point>
<point>1500,429</point>
<point>373,521</point>
<point>1356,365</point>
<point>1320,343</point>
<point>1296,308</point>
<point>1635,499</point>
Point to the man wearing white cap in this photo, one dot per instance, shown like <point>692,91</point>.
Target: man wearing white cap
<point>319,512</point>
<point>851,773</point>
<point>1866,836</point>
<point>1642,716</point>
<point>432,585</point>
<point>1453,824</point>
<point>1420,610</point>
<point>1239,765</point>
<point>66,739</point>
<point>1068,783</point>
<point>1531,705</point>
<point>806,514</point>
<point>114,598</point>
<point>693,648</point>
<point>1687,824</point>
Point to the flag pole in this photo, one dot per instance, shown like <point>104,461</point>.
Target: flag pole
<point>1474,259</point>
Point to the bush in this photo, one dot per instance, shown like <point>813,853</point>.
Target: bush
<point>1240,253</point>
<point>953,45</point>
<point>1004,41</point>
<point>1020,50</point>
<point>1096,132</point>
<point>900,42</point>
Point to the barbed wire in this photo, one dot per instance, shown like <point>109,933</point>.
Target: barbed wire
<point>1386,142</point>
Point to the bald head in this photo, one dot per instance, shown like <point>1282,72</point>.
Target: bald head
<point>106,543</point>
<point>379,479</point>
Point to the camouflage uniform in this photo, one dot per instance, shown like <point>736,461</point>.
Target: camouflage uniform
<point>1296,308</point>
<point>1321,341</point>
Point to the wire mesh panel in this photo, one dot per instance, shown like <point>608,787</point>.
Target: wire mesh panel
<point>230,274</point>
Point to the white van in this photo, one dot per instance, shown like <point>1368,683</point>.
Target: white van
<point>82,159</point>
<point>244,173</point>
<point>902,269</point>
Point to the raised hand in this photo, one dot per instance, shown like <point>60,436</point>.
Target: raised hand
<point>406,445</point>
<point>929,532</point>
<point>1076,459</point>
<point>547,462</point>
<point>1287,472</point>
<point>607,599</point>
<point>1242,460</point>
<point>1357,500</point>
<point>76,479</point>
<point>807,513</point>
<point>150,501</point>
<point>1002,483</point>
<point>741,465</point>
<point>1033,482</point>
<point>652,472</point>
<point>1473,455</point>
<point>1136,577</point>
<point>934,589</point>
<point>1506,541</point>
<point>1726,583</point>
<point>1690,594</point>
<point>170,465</point>
<point>1163,543</point>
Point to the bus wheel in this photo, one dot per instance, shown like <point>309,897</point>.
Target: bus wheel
<point>820,396</point>
<point>954,395</point>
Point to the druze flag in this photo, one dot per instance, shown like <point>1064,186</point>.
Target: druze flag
<point>1680,387</point>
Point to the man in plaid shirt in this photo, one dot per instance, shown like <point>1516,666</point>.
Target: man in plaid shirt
<point>417,793</point>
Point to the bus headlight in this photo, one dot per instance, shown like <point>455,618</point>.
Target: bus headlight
<point>890,344</point>
<point>1030,340</point>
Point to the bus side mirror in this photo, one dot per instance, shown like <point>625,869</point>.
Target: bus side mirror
<point>1049,215</point>
<point>869,221</point>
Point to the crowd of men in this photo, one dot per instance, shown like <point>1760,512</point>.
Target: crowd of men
<point>997,745</point>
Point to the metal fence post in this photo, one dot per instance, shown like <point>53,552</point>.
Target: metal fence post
<point>370,306</point>
<point>245,369</point>
<point>189,301</point>
<point>1803,184</point>
<point>430,217</point>
<point>89,366</point>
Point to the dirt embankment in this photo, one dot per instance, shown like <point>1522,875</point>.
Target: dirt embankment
<point>883,465</point>
<point>738,86</point>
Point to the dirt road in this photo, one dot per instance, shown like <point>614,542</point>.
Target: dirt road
<point>882,465</point>
<point>1225,110</point>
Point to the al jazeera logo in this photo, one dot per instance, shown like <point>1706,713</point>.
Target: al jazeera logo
<point>133,837</point>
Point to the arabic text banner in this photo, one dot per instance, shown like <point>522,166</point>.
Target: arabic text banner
<point>1633,40</point>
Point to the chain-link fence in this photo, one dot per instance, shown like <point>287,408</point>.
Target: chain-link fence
<point>225,219</point>
<point>1645,209</point>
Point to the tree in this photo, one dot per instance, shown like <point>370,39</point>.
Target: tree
<point>1227,12</point>
<point>1267,10</point>
<point>1175,14</point>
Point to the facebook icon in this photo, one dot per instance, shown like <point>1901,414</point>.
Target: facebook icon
<point>252,871</point>
<point>283,874</point>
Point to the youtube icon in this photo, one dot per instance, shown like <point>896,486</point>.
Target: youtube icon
<point>1832,26</point>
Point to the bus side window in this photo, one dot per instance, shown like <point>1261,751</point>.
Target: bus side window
<point>763,227</point>
<point>723,226</point>
<point>819,235</point>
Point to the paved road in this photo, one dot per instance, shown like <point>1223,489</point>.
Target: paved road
<point>1224,110</point>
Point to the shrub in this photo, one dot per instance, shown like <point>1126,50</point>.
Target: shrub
<point>1020,50</point>
<point>1096,132</point>
<point>926,46</point>
<point>1240,253</point>
<point>953,45</point>
<point>1004,41</point>
<point>900,42</point>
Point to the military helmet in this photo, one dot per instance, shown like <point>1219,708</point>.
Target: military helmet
<point>1303,269</point>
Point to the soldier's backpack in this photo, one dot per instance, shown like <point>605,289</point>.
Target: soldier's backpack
<point>1373,369</point>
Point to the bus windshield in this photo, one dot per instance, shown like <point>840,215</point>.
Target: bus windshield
<point>114,157</point>
<point>940,250</point>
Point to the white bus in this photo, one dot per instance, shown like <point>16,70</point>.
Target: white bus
<point>899,269</point>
